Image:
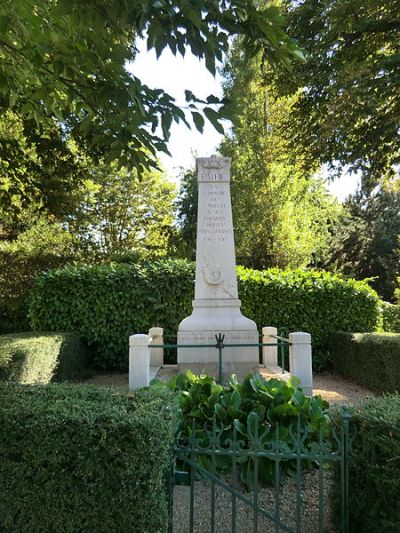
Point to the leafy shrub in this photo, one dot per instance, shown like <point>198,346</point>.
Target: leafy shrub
<point>390,317</point>
<point>269,404</point>
<point>315,302</point>
<point>42,247</point>
<point>108,303</point>
<point>42,357</point>
<point>79,458</point>
<point>374,466</point>
<point>372,359</point>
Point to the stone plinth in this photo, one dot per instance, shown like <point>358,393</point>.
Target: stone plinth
<point>216,307</point>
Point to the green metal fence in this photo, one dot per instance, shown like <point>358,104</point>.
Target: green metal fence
<point>281,343</point>
<point>197,464</point>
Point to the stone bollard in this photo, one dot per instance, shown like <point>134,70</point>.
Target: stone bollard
<point>139,361</point>
<point>156,354</point>
<point>300,360</point>
<point>269,353</point>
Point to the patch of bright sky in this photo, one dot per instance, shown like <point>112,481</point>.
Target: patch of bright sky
<point>174,74</point>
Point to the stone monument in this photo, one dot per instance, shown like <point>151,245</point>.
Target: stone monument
<point>216,307</point>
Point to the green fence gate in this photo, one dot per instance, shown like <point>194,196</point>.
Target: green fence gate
<point>218,484</point>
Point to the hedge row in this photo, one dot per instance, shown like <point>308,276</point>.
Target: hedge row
<point>108,303</point>
<point>372,359</point>
<point>374,466</point>
<point>42,358</point>
<point>390,317</point>
<point>78,458</point>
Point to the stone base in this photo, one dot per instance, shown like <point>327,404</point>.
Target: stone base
<point>209,318</point>
<point>211,369</point>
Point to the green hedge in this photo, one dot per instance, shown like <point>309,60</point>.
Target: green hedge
<point>42,357</point>
<point>390,317</point>
<point>375,467</point>
<point>79,458</point>
<point>372,359</point>
<point>108,303</point>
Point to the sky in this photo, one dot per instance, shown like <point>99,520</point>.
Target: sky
<point>174,74</point>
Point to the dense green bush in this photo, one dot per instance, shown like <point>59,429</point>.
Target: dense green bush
<point>42,247</point>
<point>390,317</point>
<point>250,407</point>
<point>374,503</point>
<point>42,357</point>
<point>108,303</point>
<point>372,359</point>
<point>79,458</point>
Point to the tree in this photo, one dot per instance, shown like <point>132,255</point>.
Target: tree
<point>366,241</point>
<point>282,215</point>
<point>44,245</point>
<point>121,214</point>
<point>347,113</point>
<point>41,173</point>
<point>68,60</point>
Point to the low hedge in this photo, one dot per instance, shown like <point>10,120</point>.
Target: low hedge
<point>374,466</point>
<point>42,357</point>
<point>107,303</point>
<point>79,458</point>
<point>390,317</point>
<point>372,359</point>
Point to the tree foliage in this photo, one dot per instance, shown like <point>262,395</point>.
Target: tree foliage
<point>69,61</point>
<point>41,173</point>
<point>348,109</point>
<point>366,240</point>
<point>282,215</point>
<point>120,214</point>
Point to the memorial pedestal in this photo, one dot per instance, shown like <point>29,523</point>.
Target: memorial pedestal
<point>216,307</point>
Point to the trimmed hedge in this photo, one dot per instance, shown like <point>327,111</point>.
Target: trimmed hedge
<point>390,317</point>
<point>42,357</point>
<point>374,466</point>
<point>107,303</point>
<point>372,359</point>
<point>80,458</point>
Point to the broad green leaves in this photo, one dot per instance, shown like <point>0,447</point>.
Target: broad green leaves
<point>68,60</point>
<point>258,410</point>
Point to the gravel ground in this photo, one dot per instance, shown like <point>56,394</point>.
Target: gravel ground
<point>266,501</point>
<point>332,387</point>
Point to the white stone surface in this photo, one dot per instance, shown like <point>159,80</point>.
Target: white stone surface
<point>300,360</point>
<point>156,354</point>
<point>269,353</point>
<point>216,307</point>
<point>139,361</point>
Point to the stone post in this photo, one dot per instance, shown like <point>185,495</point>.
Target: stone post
<point>300,359</point>
<point>139,361</point>
<point>156,339</point>
<point>269,353</point>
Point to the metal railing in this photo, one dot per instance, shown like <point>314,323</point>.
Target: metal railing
<point>282,344</point>
<point>197,459</point>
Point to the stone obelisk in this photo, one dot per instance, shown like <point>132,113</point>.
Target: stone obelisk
<point>216,307</point>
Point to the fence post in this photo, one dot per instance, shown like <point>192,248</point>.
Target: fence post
<point>139,361</point>
<point>156,354</point>
<point>300,359</point>
<point>269,353</point>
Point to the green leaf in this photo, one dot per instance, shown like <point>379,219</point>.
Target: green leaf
<point>213,117</point>
<point>198,121</point>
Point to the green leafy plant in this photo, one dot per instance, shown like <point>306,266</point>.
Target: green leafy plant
<point>260,407</point>
<point>374,466</point>
<point>107,303</point>
<point>83,458</point>
<point>42,357</point>
<point>372,359</point>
